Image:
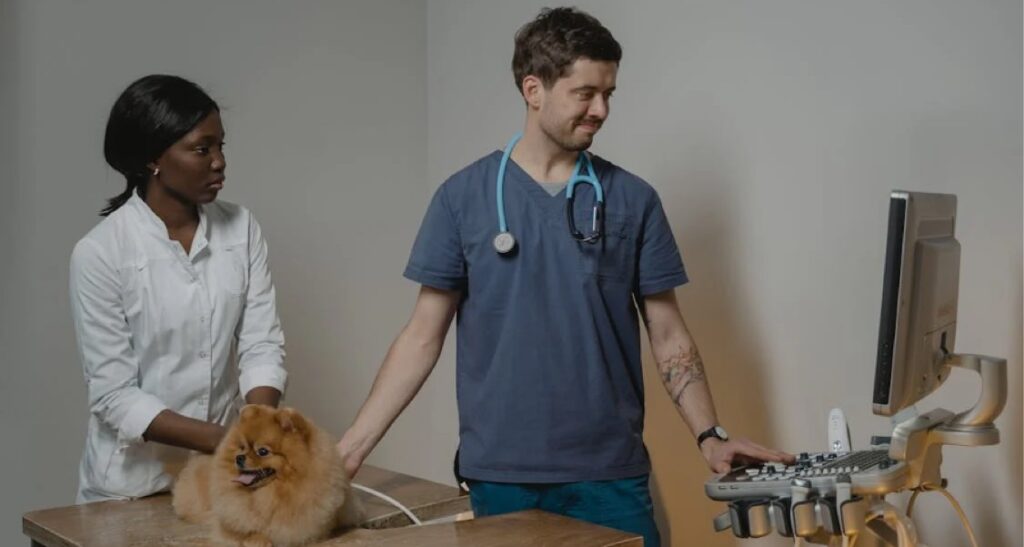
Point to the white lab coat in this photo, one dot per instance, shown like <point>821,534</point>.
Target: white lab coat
<point>161,329</point>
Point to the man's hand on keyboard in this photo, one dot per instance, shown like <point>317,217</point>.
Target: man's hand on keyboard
<point>721,455</point>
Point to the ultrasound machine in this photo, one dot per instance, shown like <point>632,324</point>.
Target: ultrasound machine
<point>837,497</point>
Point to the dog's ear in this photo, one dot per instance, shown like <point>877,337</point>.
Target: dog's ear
<point>254,410</point>
<point>249,412</point>
<point>291,420</point>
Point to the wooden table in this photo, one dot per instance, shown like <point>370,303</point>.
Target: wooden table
<point>525,528</point>
<point>151,522</point>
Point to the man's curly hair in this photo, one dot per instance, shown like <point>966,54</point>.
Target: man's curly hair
<point>547,46</point>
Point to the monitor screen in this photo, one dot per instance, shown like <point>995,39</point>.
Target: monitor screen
<point>920,286</point>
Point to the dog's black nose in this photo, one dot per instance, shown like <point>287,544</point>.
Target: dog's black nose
<point>240,460</point>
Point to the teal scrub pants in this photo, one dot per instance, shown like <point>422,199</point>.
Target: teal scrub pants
<point>623,504</point>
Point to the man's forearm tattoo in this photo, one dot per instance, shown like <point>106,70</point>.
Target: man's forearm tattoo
<point>679,371</point>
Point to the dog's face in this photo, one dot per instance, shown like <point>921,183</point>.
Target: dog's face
<point>265,445</point>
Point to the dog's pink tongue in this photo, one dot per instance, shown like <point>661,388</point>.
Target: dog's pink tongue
<point>246,478</point>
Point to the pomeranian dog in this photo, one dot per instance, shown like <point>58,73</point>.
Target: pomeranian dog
<point>275,480</point>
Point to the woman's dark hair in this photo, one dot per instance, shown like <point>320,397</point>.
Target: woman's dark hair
<point>547,46</point>
<point>149,116</point>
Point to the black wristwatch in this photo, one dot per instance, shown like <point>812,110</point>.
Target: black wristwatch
<point>717,432</point>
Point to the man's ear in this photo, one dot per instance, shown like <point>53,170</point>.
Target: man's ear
<point>533,91</point>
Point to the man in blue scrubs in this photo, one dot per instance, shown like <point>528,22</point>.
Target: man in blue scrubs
<point>550,388</point>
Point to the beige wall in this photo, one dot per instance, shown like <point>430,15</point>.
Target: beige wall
<point>773,132</point>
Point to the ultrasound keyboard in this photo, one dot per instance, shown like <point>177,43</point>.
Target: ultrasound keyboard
<point>870,472</point>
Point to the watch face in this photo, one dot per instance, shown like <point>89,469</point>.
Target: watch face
<point>721,433</point>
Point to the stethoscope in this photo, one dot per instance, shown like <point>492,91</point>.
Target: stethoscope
<point>505,242</point>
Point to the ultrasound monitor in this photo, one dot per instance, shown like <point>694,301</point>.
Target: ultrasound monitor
<point>917,329</point>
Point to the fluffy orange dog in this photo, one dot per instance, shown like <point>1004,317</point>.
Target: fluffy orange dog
<point>275,480</point>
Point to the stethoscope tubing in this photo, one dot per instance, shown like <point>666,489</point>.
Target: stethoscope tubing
<point>576,178</point>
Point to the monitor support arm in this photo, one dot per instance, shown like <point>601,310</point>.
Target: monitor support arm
<point>993,394</point>
<point>918,441</point>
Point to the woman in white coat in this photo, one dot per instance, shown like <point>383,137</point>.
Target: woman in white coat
<point>171,297</point>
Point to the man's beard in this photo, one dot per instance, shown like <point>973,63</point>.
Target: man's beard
<point>567,143</point>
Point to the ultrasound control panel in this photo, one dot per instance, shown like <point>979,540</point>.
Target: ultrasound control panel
<point>870,472</point>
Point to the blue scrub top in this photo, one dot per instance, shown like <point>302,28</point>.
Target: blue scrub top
<point>549,379</point>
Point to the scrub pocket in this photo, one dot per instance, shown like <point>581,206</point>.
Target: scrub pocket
<point>613,257</point>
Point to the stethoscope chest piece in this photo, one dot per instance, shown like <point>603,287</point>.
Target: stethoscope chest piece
<point>504,242</point>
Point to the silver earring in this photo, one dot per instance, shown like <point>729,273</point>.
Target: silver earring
<point>156,171</point>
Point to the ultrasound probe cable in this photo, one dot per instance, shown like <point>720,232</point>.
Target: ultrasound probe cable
<point>390,500</point>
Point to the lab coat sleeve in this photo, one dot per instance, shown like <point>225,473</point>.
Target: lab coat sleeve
<point>104,345</point>
<point>260,338</point>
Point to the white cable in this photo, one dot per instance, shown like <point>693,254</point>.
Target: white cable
<point>901,526</point>
<point>855,536</point>
<point>906,534</point>
<point>910,504</point>
<point>390,500</point>
<point>848,541</point>
<point>952,501</point>
<point>961,514</point>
